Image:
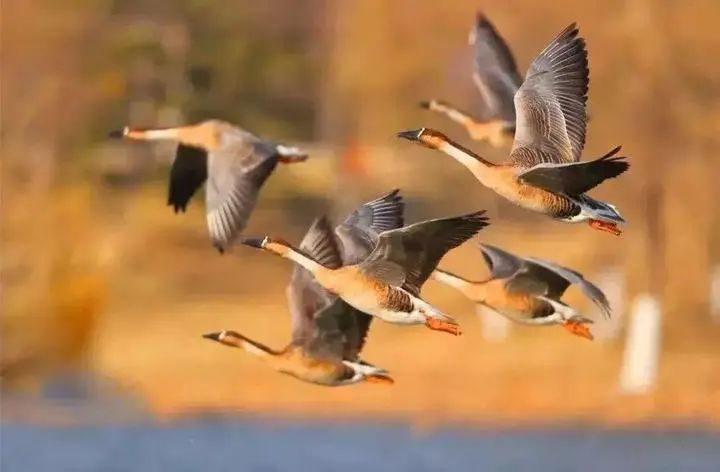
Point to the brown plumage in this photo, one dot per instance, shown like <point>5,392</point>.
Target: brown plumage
<point>233,163</point>
<point>543,172</point>
<point>497,78</point>
<point>527,290</point>
<point>393,273</point>
<point>327,333</point>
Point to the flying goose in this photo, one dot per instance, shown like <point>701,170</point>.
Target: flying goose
<point>387,283</point>
<point>327,333</point>
<point>497,78</point>
<point>234,162</point>
<point>528,290</point>
<point>544,172</point>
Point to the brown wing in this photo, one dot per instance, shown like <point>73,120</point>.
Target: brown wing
<point>406,257</point>
<point>305,296</point>
<point>339,332</point>
<point>550,104</point>
<point>359,232</point>
<point>236,172</point>
<point>496,74</point>
<point>501,263</point>
<point>187,174</point>
<point>568,277</point>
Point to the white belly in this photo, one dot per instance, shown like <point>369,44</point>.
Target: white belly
<point>371,306</point>
<point>522,318</point>
<point>414,317</point>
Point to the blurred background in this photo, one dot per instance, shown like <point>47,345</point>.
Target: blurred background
<point>105,292</point>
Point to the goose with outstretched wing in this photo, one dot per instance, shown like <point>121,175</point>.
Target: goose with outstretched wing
<point>497,78</point>
<point>327,333</point>
<point>528,290</point>
<point>544,172</point>
<point>387,283</point>
<point>232,163</point>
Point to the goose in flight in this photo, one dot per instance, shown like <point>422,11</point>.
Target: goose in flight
<point>497,78</point>
<point>327,333</point>
<point>544,172</point>
<point>233,163</point>
<point>528,291</point>
<point>387,283</point>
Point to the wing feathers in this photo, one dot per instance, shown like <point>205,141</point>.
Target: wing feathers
<point>576,178</point>
<point>550,104</point>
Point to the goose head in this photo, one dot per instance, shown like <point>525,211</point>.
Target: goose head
<point>274,245</point>
<point>229,338</point>
<point>425,136</point>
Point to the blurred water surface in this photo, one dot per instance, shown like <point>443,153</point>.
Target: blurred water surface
<point>281,446</point>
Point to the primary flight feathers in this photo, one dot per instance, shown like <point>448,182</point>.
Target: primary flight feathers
<point>231,162</point>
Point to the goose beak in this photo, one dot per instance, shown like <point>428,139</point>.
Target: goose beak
<point>255,242</point>
<point>212,336</point>
<point>118,133</point>
<point>412,135</point>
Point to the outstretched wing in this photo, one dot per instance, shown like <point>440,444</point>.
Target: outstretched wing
<point>571,277</point>
<point>550,104</point>
<point>502,264</point>
<point>575,178</point>
<point>339,332</point>
<point>305,296</point>
<point>496,74</point>
<point>407,256</point>
<point>359,232</point>
<point>187,174</point>
<point>236,172</point>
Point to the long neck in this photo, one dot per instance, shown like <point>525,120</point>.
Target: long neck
<point>305,261</point>
<point>158,134</point>
<point>452,280</point>
<point>465,156</point>
<point>248,345</point>
<point>453,113</point>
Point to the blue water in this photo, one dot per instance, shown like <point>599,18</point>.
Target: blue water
<point>317,447</point>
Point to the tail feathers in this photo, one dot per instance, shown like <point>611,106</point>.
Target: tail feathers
<point>598,210</point>
<point>565,311</point>
<point>365,368</point>
<point>290,154</point>
<point>432,312</point>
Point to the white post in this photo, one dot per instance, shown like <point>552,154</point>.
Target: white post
<point>495,327</point>
<point>715,294</point>
<point>642,346</point>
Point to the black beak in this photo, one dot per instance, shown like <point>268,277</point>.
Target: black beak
<point>213,336</point>
<point>424,104</point>
<point>117,134</point>
<point>412,135</point>
<point>254,242</point>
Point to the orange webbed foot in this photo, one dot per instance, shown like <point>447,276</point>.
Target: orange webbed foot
<point>611,228</point>
<point>578,329</point>
<point>379,379</point>
<point>442,325</point>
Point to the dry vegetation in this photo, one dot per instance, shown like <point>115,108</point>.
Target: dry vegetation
<point>97,274</point>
